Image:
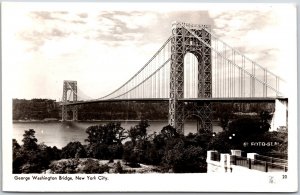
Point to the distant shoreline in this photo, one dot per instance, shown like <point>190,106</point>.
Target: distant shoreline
<point>54,121</point>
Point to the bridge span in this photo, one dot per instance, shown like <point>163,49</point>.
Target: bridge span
<point>236,100</point>
<point>192,70</point>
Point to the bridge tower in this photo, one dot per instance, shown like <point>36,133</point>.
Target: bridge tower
<point>72,86</point>
<point>182,42</point>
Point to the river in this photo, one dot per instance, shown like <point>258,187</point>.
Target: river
<point>60,134</point>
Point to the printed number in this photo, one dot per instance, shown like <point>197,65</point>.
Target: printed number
<point>284,176</point>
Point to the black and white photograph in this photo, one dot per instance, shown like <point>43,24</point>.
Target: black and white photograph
<point>129,96</point>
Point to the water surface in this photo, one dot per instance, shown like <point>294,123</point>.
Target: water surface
<point>60,134</point>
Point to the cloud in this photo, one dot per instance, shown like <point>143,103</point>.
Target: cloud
<point>48,26</point>
<point>78,22</point>
<point>83,15</point>
<point>249,31</point>
<point>45,15</point>
<point>38,38</point>
<point>113,28</point>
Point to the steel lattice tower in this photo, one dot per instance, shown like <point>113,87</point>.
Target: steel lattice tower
<point>182,42</point>
<point>72,86</point>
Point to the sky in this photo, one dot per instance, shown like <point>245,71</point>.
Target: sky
<point>101,45</point>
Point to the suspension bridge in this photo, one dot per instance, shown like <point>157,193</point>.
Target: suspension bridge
<point>192,69</point>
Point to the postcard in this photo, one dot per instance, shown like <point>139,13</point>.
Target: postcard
<point>149,97</point>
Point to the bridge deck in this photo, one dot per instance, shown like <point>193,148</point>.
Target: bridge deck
<point>237,99</point>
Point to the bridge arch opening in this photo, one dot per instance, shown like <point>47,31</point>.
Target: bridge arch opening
<point>193,123</point>
<point>190,76</point>
<point>70,96</point>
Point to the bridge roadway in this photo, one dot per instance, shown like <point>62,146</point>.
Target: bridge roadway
<point>233,99</point>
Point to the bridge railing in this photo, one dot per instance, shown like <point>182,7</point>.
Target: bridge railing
<point>259,165</point>
<point>250,162</point>
<point>271,159</point>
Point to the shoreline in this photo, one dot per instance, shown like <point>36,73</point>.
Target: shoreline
<point>89,121</point>
<point>85,121</point>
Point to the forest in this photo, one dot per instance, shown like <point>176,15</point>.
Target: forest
<point>43,109</point>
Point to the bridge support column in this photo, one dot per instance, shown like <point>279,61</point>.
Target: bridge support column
<point>75,113</point>
<point>182,42</point>
<point>64,113</point>
<point>280,116</point>
<point>69,86</point>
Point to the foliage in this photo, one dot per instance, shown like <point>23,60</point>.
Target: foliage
<point>18,161</point>
<point>29,140</point>
<point>73,150</point>
<point>139,131</point>
<point>27,158</point>
<point>224,113</point>
<point>28,161</point>
<point>32,157</point>
<point>185,159</point>
<point>37,109</point>
<point>170,149</point>
<point>130,155</point>
<point>105,141</point>
<point>243,132</point>
<point>168,132</point>
<point>115,151</point>
<point>265,117</point>
<point>119,168</point>
<point>279,144</point>
<point>106,134</point>
<point>124,110</point>
<point>65,166</point>
<point>93,166</point>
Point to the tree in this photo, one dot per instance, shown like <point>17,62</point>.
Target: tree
<point>29,140</point>
<point>105,141</point>
<point>119,168</point>
<point>107,134</point>
<point>185,159</point>
<point>245,127</point>
<point>16,145</point>
<point>169,132</point>
<point>241,132</point>
<point>139,149</point>
<point>130,154</point>
<point>224,120</point>
<point>28,157</point>
<point>139,131</point>
<point>264,120</point>
<point>73,150</point>
<point>92,166</point>
<point>201,139</point>
<point>224,113</point>
<point>17,158</point>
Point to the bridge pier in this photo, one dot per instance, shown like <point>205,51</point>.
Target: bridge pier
<point>183,42</point>
<point>65,114</point>
<point>203,111</point>
<point>280,116</point>
<point>69,86</point>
